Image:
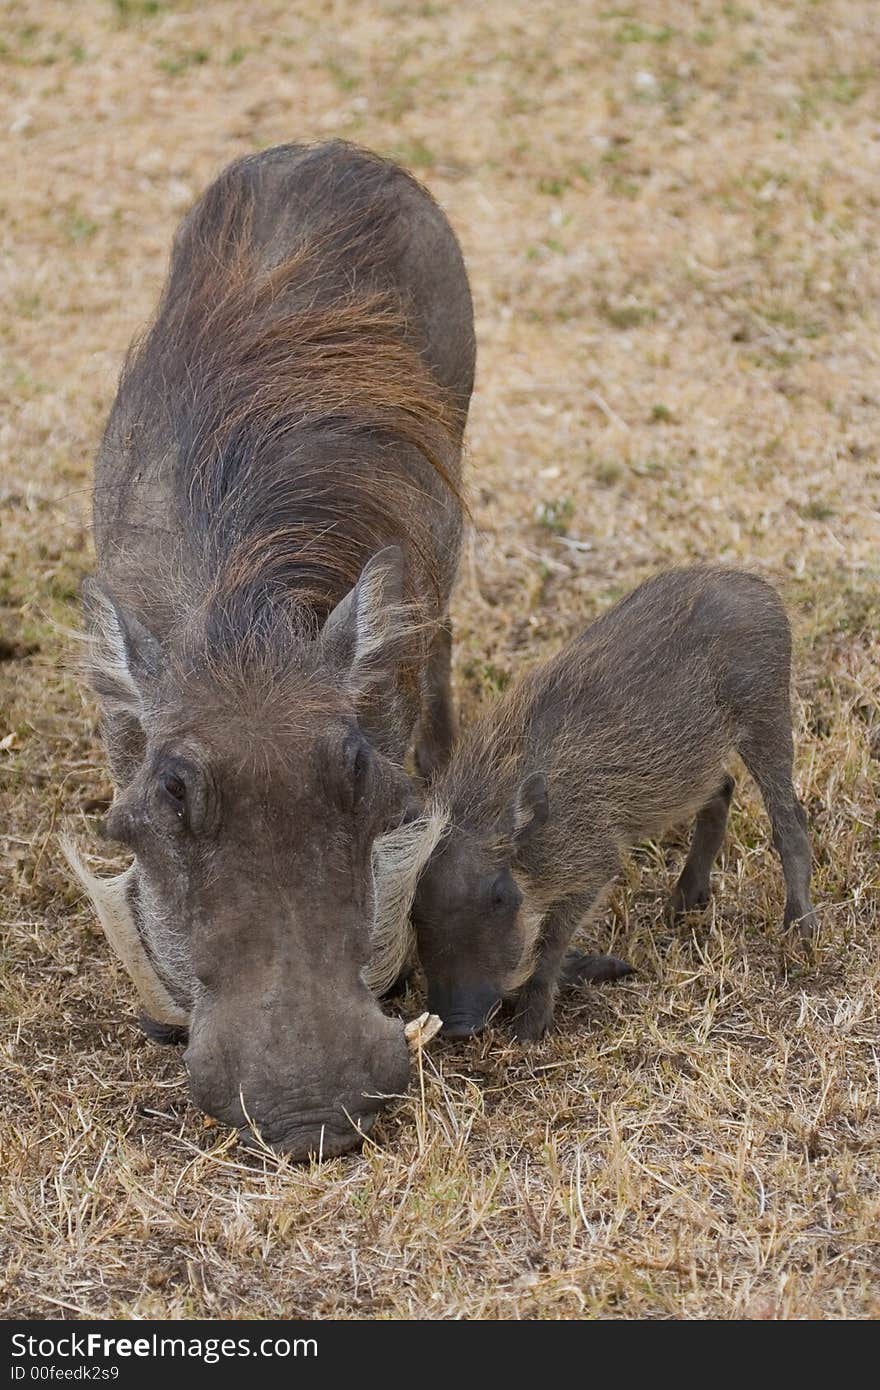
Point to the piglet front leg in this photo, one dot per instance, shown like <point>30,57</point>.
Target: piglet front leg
<point>533,1010</point>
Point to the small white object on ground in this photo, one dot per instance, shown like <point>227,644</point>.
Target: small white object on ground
<point>419,1031</point>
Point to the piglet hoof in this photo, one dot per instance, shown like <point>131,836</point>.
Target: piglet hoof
<point>166,1034</point>
<point>581,969</point>
<point>532,1017</point>
<point>683,900</point>
<point>807,927</point>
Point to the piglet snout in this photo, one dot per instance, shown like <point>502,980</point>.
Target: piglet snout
<point>464,1011</point>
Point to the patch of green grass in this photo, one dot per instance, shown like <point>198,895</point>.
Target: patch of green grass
<point>789,317</point>
<point>414,154</point>
<point>487,676</point>
<point>128,11</point>
<point>627,314</point>
<point>25,49</point>
<point>737,14</point>
<point>27,304</point>
<point>344,80</point>
<point>26,385</point>
<point>816,510</point>
<point>79,227</point>
<point>550,246</point>
<point>632,31</point>
<point>649,467</point>
<point>553,186</point>
<point>847,87</point>
<point>608,473</point>
<point>183,61</point>
<point>661,414</point>
<point>399,99</point>
<point>771,357</point>
<point>555,515</point>
<point>833,608</point>
<point>620,187</point>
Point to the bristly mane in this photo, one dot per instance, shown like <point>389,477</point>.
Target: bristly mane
<point>288,384</point>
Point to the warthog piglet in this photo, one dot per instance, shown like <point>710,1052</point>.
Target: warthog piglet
<point>627,731</point>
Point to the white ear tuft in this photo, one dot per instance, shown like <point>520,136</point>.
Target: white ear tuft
<point>530,806</point>
<point>122,652</point>
<point>373,629</point>
<point>398,859</point>
<point>378,606</point>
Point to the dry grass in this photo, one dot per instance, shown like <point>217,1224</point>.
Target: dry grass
<point>670,216</point>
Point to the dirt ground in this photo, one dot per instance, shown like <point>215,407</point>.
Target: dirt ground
<point>670,217</point>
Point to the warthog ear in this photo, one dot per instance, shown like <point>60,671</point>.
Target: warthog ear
<point>371,631</point>
<point>530,806</point>
<point>124,656</point>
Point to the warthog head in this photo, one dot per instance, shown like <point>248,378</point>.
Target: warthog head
<point>259,766</point>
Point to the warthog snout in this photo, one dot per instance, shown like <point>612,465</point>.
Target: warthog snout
<point>236,1078</point>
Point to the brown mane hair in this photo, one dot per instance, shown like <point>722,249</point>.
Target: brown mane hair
<point>290,390</point>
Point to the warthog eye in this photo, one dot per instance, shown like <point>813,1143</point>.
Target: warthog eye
<point>175,790</point>
<point>183,788</point>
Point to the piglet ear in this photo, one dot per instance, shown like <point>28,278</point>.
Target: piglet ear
<point>124,657</point>
<point>372,630</point>
<point>531,806</point>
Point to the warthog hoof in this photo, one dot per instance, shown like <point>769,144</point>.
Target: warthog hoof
<point>166,1034</point>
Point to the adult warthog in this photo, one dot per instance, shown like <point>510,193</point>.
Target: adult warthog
<point>277,523</point>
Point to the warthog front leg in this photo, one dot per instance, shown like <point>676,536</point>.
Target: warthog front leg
<point>693,888</point>
<point>436,731</point>
<point>166,1034</point>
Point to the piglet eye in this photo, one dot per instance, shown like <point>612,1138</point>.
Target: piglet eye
<point>500,893</point>
<point>357,764</point>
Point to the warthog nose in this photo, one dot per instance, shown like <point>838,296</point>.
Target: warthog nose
<point>317,1141</point>
<point>464,1011</point>
<point>324,1112</point>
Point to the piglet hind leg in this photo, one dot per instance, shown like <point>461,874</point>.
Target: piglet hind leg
<point>579,968</point>
<point>533,1010</point>
<point>693,889</point>
<point>769,755</point>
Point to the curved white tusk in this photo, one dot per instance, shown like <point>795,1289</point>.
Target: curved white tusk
<point>110,901</point>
